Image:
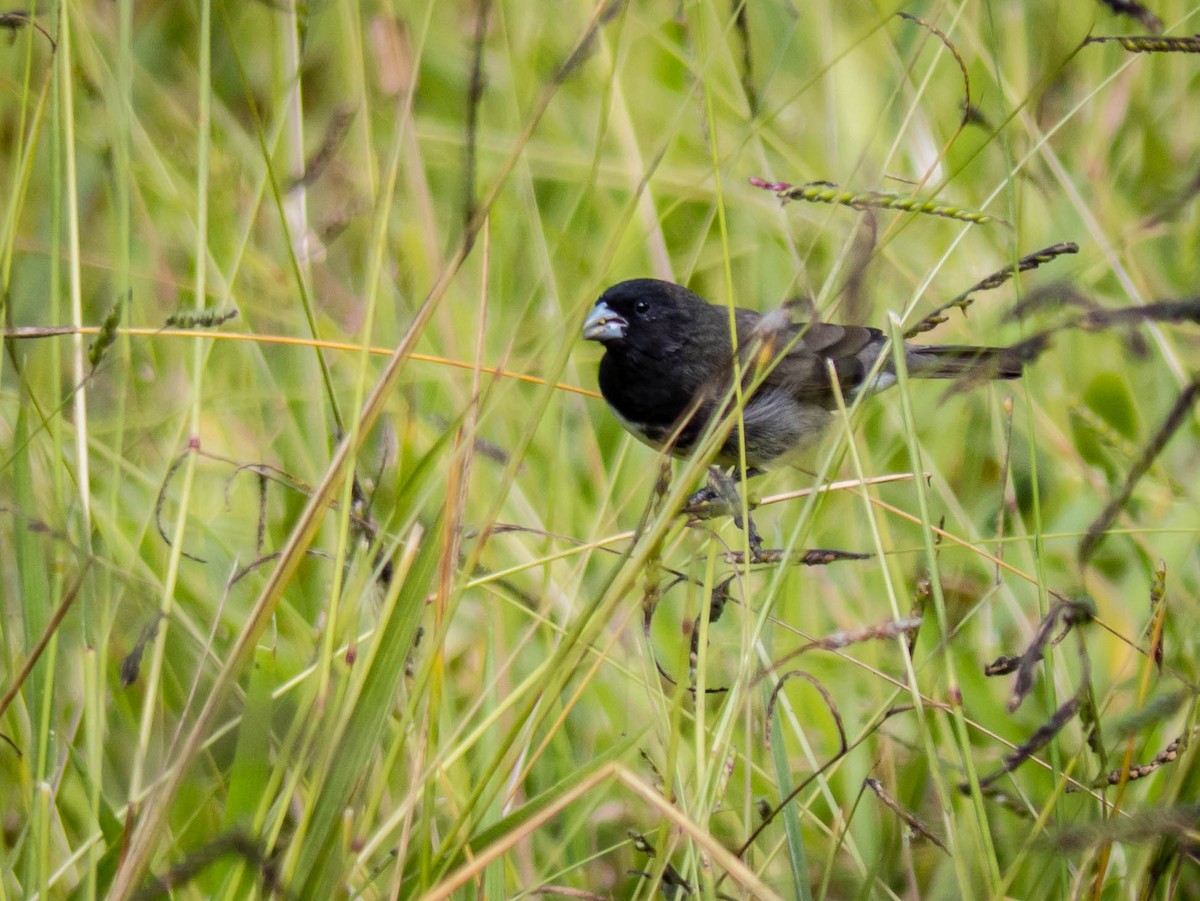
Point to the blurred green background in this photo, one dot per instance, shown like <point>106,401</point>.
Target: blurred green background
<point>232,670</point>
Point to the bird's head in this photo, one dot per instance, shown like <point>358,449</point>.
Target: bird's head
<point>643,311</point>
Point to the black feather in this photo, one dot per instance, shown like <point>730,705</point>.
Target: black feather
<point>668,369</point>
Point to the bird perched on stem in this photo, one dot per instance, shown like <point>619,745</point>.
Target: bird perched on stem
<point>668,370</point>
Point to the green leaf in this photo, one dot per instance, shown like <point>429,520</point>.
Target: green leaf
<point>1108,395</point>
<point>317,871</point>
<point>251,769</point>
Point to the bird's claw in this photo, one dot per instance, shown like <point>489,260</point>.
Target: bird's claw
<point>707,503</point>
<point>716,499</point>
<point>720,497</point>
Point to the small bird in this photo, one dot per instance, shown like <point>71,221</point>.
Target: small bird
<point>668,369</point>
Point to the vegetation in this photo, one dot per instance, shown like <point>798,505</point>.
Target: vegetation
<point>326,574</point>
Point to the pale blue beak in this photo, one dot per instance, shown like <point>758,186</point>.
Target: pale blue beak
<point>603,324</point>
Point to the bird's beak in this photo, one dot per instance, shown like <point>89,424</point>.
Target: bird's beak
<point>603,324</point>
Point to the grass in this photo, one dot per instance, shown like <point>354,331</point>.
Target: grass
<point>364,593</point>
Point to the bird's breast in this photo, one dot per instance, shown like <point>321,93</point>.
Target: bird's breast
<point>650,398</point>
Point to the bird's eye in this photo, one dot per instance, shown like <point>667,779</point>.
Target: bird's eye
<point>641,306</point>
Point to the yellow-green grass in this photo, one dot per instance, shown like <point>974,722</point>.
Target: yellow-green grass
<point>403,612</point>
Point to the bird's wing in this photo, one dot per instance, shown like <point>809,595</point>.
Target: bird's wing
<point>807,350</point>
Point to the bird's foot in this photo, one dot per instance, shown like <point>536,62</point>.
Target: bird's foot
<point>720,497</point>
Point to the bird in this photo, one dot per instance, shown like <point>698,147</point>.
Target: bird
<point>668,370</point>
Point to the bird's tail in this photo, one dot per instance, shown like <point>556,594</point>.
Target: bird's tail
<point>951,361</point>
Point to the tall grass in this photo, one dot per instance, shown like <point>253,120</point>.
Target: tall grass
<point>365,593</point>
